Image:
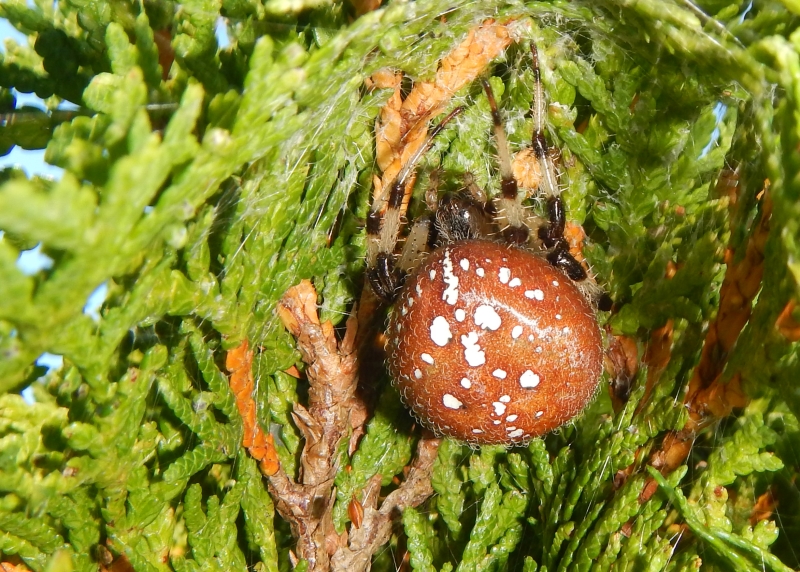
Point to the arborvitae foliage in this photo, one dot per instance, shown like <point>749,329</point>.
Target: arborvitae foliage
<point>201,182</point>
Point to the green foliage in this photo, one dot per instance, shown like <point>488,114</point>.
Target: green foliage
<point>199,193</point>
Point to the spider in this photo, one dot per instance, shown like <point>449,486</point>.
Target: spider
<point>493,337</point>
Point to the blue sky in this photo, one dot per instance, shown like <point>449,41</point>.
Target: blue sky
<point>33,261</point>
<point>31,161</point>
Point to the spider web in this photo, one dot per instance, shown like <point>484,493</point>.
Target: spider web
<point>139,427</point>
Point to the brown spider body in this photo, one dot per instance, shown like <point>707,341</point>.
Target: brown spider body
<point>489,342</point>
<point>492,344</point>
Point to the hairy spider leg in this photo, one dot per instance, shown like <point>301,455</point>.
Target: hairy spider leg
<point>510,206</point>
<point>383,223</point>
<point>552,234</point>
<point>549,184</point>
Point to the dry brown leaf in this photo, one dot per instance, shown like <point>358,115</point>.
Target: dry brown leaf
<point>575,235</point>
<point>709,397</point>
<point>657,356</point>
<point>402,127</point>
<point>787,324</point>
<point>739,287</point>
<point>527,170</point>
<point>261,446</point>
<point>361,7</point>
<point>622,363</point>
<point>764,508</point>
<point>9,567</point>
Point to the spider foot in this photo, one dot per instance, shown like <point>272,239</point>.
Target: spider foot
<point>385,278</point>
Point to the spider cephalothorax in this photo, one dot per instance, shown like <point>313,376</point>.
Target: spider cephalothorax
<point>493,337</point>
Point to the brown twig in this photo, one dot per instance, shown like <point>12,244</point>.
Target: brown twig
<point>376,526</point>
<point>334,412</point>
<point>332,376</point>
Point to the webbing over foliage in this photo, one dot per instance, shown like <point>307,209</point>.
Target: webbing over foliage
<point>199,196</point>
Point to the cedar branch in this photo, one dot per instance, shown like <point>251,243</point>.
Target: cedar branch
<point>334,411</point>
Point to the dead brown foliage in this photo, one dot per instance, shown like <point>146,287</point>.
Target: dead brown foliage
<point>334,413</point>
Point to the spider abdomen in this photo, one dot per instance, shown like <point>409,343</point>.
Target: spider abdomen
<point>491,344</point>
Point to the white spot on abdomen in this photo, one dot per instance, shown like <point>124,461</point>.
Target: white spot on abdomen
<point>451,402</point>
<point>418,374</point>
<point>460,314</point>
<point>473,353</point>
<point>450,294</point>
<point>499,408</point>
<point>534,294</point>
<point>427,358</point>
<point>516,332</point>
<point>504,275</point>
<point>486,317</point>
<point>480,272</point>
<point>505,398</point>
<point>515,282</point>
<point>465,383</point>
<point>529,380</point>
<point>464,263</point>
<point>440,331</point>
<point>516,433</point>
<point>499,374</point>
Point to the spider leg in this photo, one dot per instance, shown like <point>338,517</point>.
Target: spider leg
<point>552,234</point>
<point>416,244</point>
<point>384,221</point>
<point>384,277</point>
<point>549,184</point>
<point>510,208</point>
